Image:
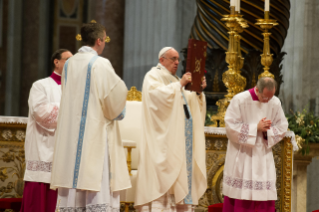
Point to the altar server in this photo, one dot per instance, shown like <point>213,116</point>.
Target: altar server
<point>44,104</point>
<point>171,172</point>
<point>89,165</point>
<point>255,122</point>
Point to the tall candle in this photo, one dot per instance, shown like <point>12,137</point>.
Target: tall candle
<point>266,5</point>
<point>238,4</point>
<point>233,2</point>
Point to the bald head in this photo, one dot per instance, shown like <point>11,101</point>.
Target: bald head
<point>266,88</point>
<point>266,82</point>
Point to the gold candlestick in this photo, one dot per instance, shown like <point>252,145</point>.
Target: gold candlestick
<point>232,79</point>
<point>266,58</point>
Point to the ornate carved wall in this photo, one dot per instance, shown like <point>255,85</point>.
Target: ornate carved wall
<point>12,159</point>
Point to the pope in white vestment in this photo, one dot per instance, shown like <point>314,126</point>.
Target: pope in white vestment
<point>255,122</point>
<point>172,169</point>
<point>89,166</point>
<point>44,104</point>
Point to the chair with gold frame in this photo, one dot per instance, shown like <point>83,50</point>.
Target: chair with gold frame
<point>130,128</point>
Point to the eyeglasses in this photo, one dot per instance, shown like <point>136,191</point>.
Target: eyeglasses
<point>174,59</point>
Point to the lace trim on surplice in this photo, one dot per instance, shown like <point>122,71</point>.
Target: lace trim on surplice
<point>53,116</point>
<point>34,165</point>
<point>243,135</point>
<point>165,203</point>
<point>249,184</point>
<point>89,208</point>
<point>276,134</point>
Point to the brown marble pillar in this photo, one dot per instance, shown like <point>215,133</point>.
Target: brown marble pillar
<point>110,13</point>
<point>29,51</point>
<point>3,54</point>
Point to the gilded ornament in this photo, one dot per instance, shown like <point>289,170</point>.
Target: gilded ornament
<point>78,37</point>
<point>7,134</point>
<point>134,95</point>
<point>205,54</point>
<point>20,135</point>
<point>266,58</point>
<point>197,65</point>
<point>232,78</point>
<point>107,39</point>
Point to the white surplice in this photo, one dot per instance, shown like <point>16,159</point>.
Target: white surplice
<point>249,172</point>
<point>44,103</point>
<point>162,165</point>
<point>88,140</point>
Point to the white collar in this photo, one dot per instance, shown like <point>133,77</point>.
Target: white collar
<point>87,49</point>
<point>57,73</point>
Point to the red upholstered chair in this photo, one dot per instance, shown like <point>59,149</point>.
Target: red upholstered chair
<point>316,211</point>
<point>216,207</point>
<point>10,203</point>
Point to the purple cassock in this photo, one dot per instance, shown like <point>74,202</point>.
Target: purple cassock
<point>239,205</point>
<point>38,197</point>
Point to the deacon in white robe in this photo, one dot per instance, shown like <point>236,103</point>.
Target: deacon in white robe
<point>255,122</point>
<point>172,170</point>
<point>89,165</point>
<point>44,103</point>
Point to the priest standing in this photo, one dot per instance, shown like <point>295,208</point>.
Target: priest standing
<point>255,122</point>
<point>44,104</point>
<point>89,165</point>
<point>172,170</point>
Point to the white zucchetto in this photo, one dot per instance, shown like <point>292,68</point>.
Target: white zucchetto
<point>163,50</point>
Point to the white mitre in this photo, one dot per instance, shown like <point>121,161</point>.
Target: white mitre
<point>163,50</point>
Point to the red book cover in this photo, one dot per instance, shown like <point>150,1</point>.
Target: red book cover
<point>195,63</point>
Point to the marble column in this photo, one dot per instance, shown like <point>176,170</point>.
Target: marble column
<point>301,63</point>
<point>30,50</point>
<point>149,26</point>
<point>313,185</point>
<point>304,180</point>
<point>110,13</point>
<point>14,36</point>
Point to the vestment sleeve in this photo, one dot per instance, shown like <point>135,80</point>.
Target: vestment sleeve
<point>278,128</point>
<point>236,129</point>
<point>111,89</point>
<point>45,113</point>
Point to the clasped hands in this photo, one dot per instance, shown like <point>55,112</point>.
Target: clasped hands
<point>187,78</point>
<point>264,125</point>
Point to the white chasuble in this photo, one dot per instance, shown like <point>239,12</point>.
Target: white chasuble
<point>163,165</point>
<point>92,97</point>
<point>249,172</point>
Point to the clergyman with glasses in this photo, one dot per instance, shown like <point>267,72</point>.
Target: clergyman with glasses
<point>255,122</point>
<point>172,171</point>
